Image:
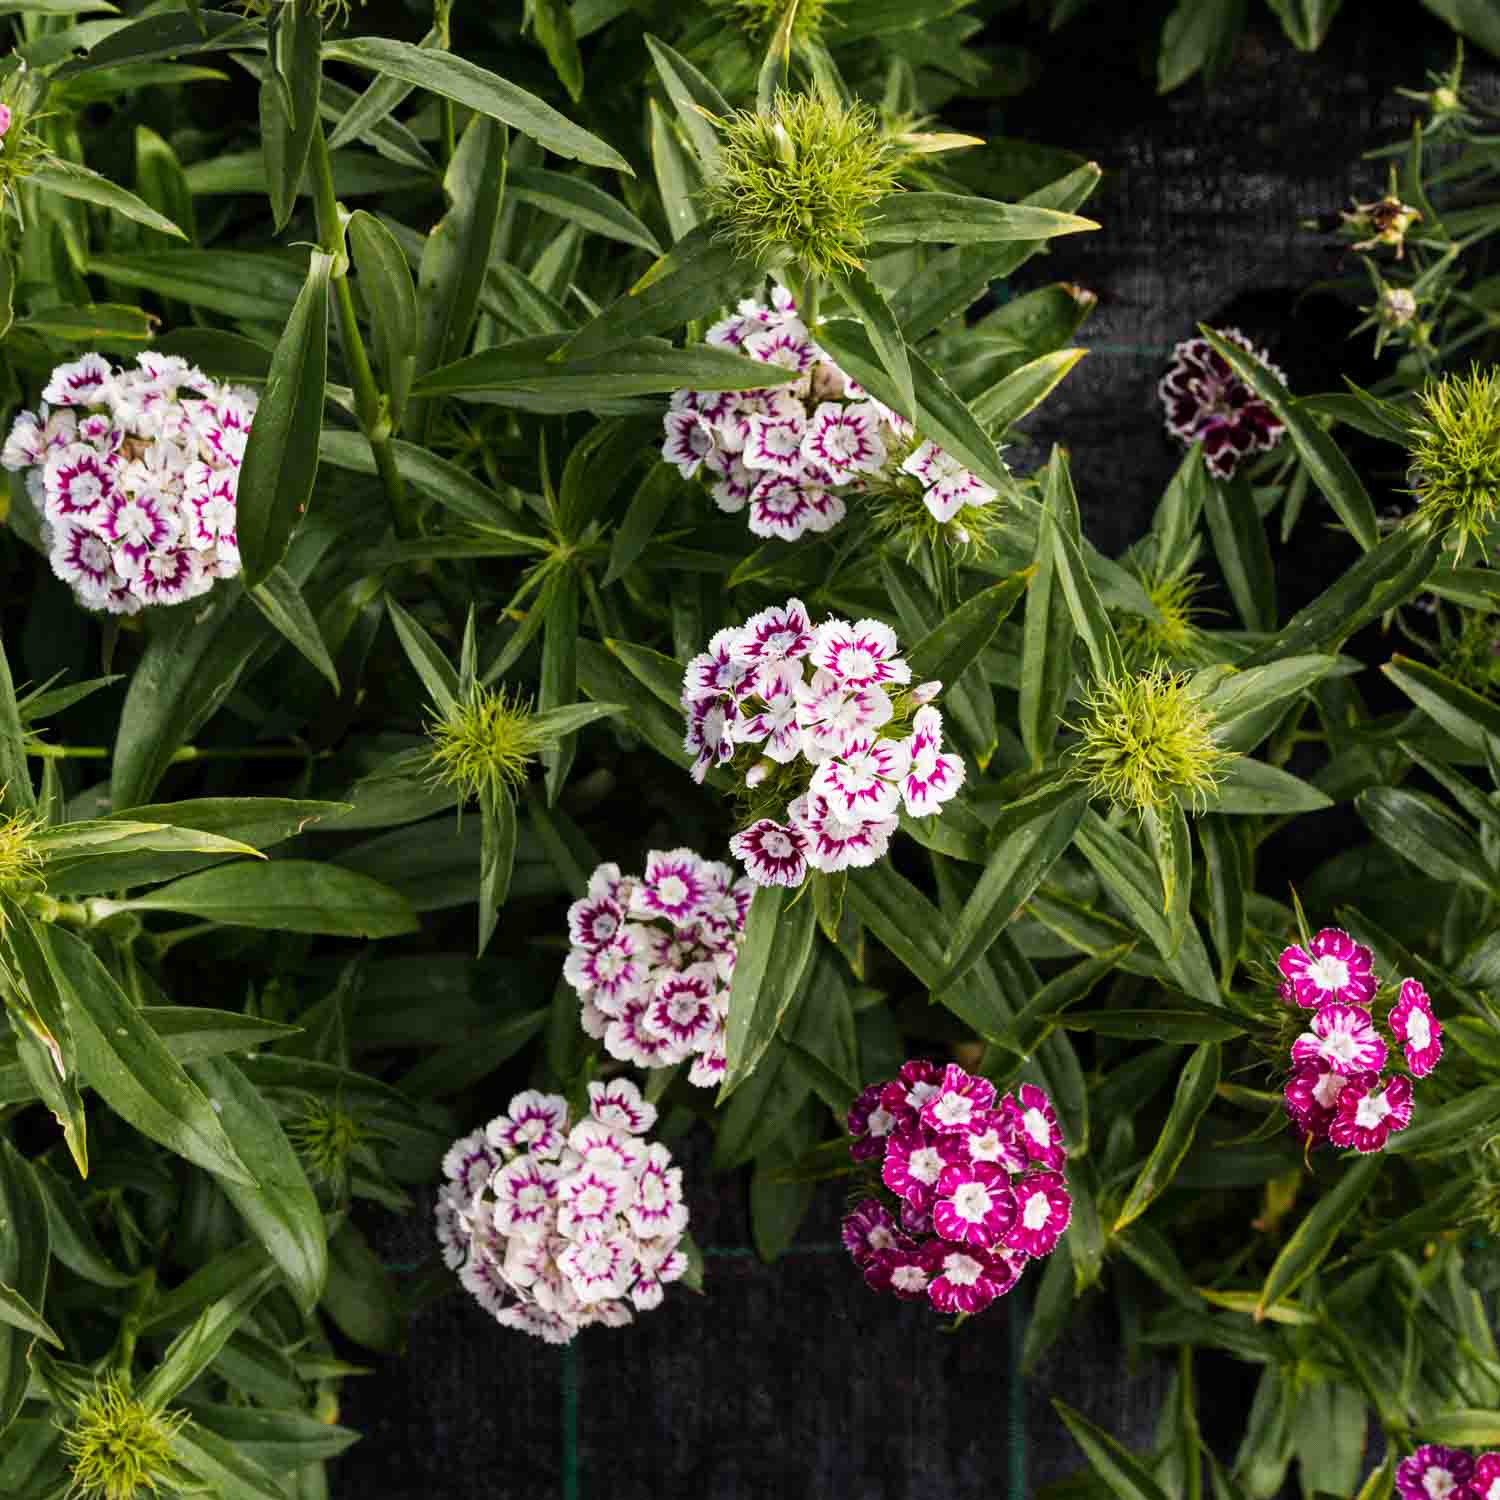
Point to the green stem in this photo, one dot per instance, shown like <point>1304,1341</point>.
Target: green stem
<point>370,407</point>
<point>122,1356</point>
<point>183,753</point>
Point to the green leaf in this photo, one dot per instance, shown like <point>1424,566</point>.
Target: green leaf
<point>661,485</point>
<point>497,856</point>
<point>122,1058</point>
<point>939,413</point>
<point>289,99</point>
<point>955,644</point>
<point>552,24</point>
<point>1306,24</point>
<point>1194,1093</point>
<point>1461,1427</point>
<point>24,1255</point>
<point>1253,786</point>
<point>861,293</point>
<point>955,218</point>
<point>773,955</point>
<point>1474,19</point>
<point>73,1240</point>
<point>1035,1021</point>
<point>71,180</point>
<point>172,34</point>
<point>456,255</point>
<point>426,658</point>
<point>488,94</point>
<point>901,917</point>
<point>1158,1025</point>
<point>361,1297</point>
<point>383,277</point>
<point>281,602</point>
<point>1199,34</point>
<point>1468,717</point>
<point>1314,1237</point>
<point>16,794</point>
<point>281,456</point>
<point>1171,847</point>
<point>559,676</point>
<point>197,1346</point>
<point>260,822</point>
<point>1122,1475</point>
<point>1422,830</point>
<point>1451,1126</point>
<point>1023,390</point>
<point>1229,879</point>
<point>1240,700</point>
<point>1046,649</point>
<point>697,102</point>
<point>1332,473</point>
<point>1072,572</point>
<point>284,895</point>
<point>235,284</point>
<point>1244,554</point>
<point>1027,839</point>
<point>281,1210</point>
<point>580,202</point>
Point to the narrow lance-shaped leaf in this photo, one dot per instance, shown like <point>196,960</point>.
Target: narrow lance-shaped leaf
<point>497,855</point>
<point>16,794</point>
<point>697,102</point>
<point>427,660</point>
<point>281,602</point>
<point>456,78</point>
<point>954,218</point>
<point>70,180</point>
<point>25,1250</point>
<point>1047,636</point>
<point>875,313</point>
<point>281,455</point>
<point>773,954</point>
<point>1078,587</point>
<point>383,277</point>
<point>1122,1474</point>
<point>1314,1237</point>
<point>955,644</point>
<point>289,101</point>
<point>1195,1092</point>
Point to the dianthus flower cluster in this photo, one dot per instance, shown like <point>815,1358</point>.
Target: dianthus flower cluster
<point>553,1225</point>
<point>652,959</point>
<point>977,1181</point>
<point>794,453</point>
<point>871,745</point>
<point>1206,401</point>
<point>1336,1092</point>
<point>1434,1472</point>
<point>135,480</point>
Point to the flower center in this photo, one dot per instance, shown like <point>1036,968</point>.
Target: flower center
<point>671,890</point>
<point>972,1202</point>
<point>880,1238</point>
<point>1439,1483</point>
<point>1036,1127</point>
<point>961,1269</point>
<point>1037,1211</point>
<point>777,845</point>
<point>856,661</point>
<point>1418,1032</point>
<point>954,1109</point>
<point>1329,973</point>
<point>909,1279</point>
<point>1369,1113</point>
<point>1340,1045</point>
<point>1327,1089</point>
<point>926,1165</point>
<point>879,1124</point>
<point>591,1202</point>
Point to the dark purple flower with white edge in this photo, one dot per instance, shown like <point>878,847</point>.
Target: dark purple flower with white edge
<point>619,1103</point>
<point>1370,1109</point>
<point>969,1279</point>
<point>672,887</point>
<point>781,633</point>
<point>1337,968</point>
<point>773,855</point>
<point>533,1122</point>
<point>915,1160</point>
<point>1036,1126</point>
<point>837,840</point>
<point>992,1136</point>
<point>1312,1096</point>
<point>1486,1480</point>
<point>469,1163</point>
<point>870,1122</point>
<point>974,1204</point>
<point>689,440</point>
<point>931,777</point>
<point>832,715</point>
<point>77,485</point>
<point>863,780</point>
<point>869,1229</point>
<point>962,1101</point>
<point>1043,1210</point>
<point>1417,1029</point>
<point>861,654</point>
<point>916,1219</point>
<point>594,921</point>
<point>907,1270</point>
<point>774,721</point>
<point>84,382</point>
<point>1205,401</point>
<point>1344,1037</point>
<point>525,1190</point>
<point>1433,1472</point>
<point>844,440</point>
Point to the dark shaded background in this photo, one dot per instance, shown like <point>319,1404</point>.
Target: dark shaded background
<point>792,1380</point>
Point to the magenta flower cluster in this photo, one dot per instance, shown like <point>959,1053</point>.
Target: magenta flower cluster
<point>792,454</point>
<point>1205,401</point>
<point>136,480</point>
<point>1336,1092</point>
<point>652,957</point>
<point>554,1225</point>
<point>977,1183</point>
<point>847,723</point>
<point>1434,1472</point>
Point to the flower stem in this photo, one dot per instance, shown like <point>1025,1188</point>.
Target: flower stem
<point>183,753</point>
<point>370,407</point>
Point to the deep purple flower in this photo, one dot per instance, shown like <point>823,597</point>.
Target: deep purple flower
<point>969,1279</point>
<point>1044,1208</point>
<point>974,1204</point>
<point>960,1102</point>
<point>1036,1126</point>
<point>1370,1109</point>
<point>870,1122</point>
<point>1433,1472</point>
<point>869,1229</point>
<point>1337,968</point>
<point>915,1160</point>
<point>1344,1038</point>
<point>1415,1026</point>
<point>1207,402</point>
<point>1312,1094</point>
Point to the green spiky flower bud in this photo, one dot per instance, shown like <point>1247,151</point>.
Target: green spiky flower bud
<point>796,185</point>
<point>121,1448</point>
<point>325,1137</point>
<point>20,858</point>
<point>1455,455</point>
<point>759,18</point>
<point>1146,739</point>
<point>1174,635</point>
<point>488,740</point>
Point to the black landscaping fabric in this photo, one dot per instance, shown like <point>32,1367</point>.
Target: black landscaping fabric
<point>792,1380</point>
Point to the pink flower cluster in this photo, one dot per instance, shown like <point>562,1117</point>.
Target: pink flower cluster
<point>1206,401</point>
<point>1434,1472</point>
<point>751,688</point>
<point>553,1225</point>
<point>977,1180</point>
<point>792,454</point>
<point>1336,1092</point>
<point>135,480</point>
<point>652,959</point>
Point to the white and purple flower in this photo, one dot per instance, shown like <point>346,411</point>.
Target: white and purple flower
<point>1417,1029</point>
<point>1344,1038</point>
<point>1337,968</point>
